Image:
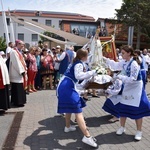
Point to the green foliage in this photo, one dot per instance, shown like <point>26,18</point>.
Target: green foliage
<point>135,13</point>
<point>3,45</point>
<point>49,34</point>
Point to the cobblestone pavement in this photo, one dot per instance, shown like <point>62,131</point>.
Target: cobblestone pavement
<point>42,128</point>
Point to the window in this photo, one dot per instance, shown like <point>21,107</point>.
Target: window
<point>19,23</point>
<point>21,36</point>
<point>8,21</point>
<point>34,37</point>
<point>60,22</point>
<point>48,22</point>
<point>36,20</point>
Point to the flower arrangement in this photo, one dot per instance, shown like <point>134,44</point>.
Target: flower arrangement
<point>101,70</point>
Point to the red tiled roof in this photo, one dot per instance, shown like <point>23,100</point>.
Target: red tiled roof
<point>50,14</point>
<point>78,20</point>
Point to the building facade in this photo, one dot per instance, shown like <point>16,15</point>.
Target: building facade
<point>48,18</point>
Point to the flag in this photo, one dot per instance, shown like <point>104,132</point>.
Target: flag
<point>5,24</point>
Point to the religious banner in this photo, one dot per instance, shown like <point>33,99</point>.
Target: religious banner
<point>109,48</point>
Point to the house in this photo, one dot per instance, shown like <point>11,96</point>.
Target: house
<point>49,18</point>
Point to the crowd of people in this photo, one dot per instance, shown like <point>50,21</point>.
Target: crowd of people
<point>25,71</point>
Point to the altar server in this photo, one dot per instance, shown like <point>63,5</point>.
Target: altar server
<point>4,82</point>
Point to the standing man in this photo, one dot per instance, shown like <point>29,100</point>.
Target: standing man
<point>9,48</point>
<point>146,61</point>
<point>65,59</point>
<point>18,75</point>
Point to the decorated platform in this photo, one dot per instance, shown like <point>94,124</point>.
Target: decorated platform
<point>104,46</point>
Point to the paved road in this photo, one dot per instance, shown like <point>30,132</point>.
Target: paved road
<point>42,128</point>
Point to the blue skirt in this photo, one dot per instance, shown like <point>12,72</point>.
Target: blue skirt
<point>69,101</point>
<point>111,108</point>
<point>143,73</point>
<point>136,112</point>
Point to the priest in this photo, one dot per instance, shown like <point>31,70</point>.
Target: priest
<point>4,82</point>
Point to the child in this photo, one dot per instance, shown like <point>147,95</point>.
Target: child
<point>113,91</point>
<point>69,100</point>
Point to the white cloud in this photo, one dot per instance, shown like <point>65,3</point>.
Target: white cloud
<point>94,8</point>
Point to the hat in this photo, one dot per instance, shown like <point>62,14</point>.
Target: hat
<point>58,46</point>
<point>2,53</point>
<point>26,50</point>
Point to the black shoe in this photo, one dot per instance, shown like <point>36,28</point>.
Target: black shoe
<point>39,89</point>
<point>21,105</point>
<point>27,93</point>
<point>95,96</point>
<point>86,99</point>
<point>89,93</point>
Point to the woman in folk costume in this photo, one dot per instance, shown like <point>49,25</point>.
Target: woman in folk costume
<point>18,75</point>
<point>113,93</point>
<point>69,101</point>
<point>4,82</point>
<point>32,69</point>
<point>133,102</point>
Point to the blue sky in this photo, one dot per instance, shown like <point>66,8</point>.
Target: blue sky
<point>94,8</point>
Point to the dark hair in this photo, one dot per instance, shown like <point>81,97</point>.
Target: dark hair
<point>10,43</point>
<point>129,49</point>
<point>80,54</point>
<point>137,52</point>
<point>44,49</point>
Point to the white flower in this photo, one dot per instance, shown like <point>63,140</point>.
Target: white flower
<point>100,70</point>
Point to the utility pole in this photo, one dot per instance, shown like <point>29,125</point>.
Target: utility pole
<point>130,35</point>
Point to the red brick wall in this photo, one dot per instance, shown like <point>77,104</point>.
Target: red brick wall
<point>66,27</point>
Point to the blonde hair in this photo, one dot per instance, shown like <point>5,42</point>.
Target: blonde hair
<point>32,48</point>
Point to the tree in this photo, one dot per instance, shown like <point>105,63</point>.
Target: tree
<point>3,45</point>
<point>136,13</point>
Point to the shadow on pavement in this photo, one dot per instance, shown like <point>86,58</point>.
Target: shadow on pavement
<point>112,138</point>
<point>51,136</point>
<point>97,121</point>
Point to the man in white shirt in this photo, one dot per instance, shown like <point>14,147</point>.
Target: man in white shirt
<point>146,60</point>
<point>9,49</point>
<point>65,59</point>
